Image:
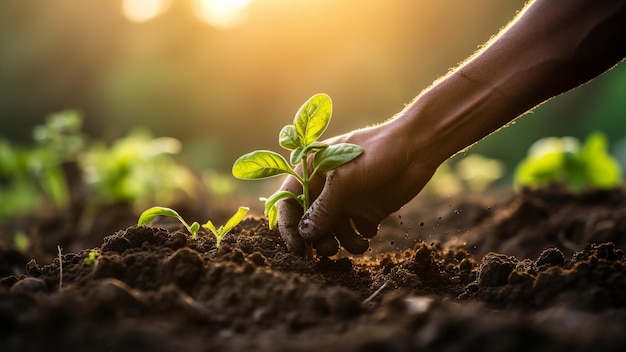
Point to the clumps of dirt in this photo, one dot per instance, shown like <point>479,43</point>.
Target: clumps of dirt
<point>159,289</point>
<point>593,279</point>
<point>234,287</point>
<point>426,269</point>
<point>532,220</point>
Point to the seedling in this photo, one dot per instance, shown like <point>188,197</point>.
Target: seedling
<point>59,250</point>
<point>301,138</point>
<point>221,231</point>
<point>147,216</point>
<point>565,162</point>
<point>93,255</point>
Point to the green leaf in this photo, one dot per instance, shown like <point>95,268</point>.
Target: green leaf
<point>91,257</point>
<point>261,164</point>
<point>336,155</point>
<point>147,216</point>
<point>312,118</point>
<point>209,225</point>
<point>271,211</point>
<point>602,170</point>
<point>272,216</point>
<point>301,153</point>
<point>194,228</point>
<point>230,224</point>
<point>563,161</point>
<point>236,219</point>
<point>274,198</point>
<point>288,138</point>
<point>297,155</point>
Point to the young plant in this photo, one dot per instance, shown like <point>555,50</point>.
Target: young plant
<point>221,231</point>
<point>147,216</point>
<point>301,138</point>
<point>565,162</point>
<point>93,255</point>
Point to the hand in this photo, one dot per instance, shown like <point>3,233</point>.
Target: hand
<point>351,201</point>
<point>517,70</point>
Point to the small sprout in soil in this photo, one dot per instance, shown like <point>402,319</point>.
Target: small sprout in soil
<point>147,216</point>
<point>59,249</point>
<point>563,161</point>
<point>221,231</point>
<point>21,241</point>
<point>92,257</point>
<point>301,138</point>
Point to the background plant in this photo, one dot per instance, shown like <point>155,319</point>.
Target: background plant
<point>34,178</point>
<point>564,161</point>
<point>301,138</point>
<point>138,169</point>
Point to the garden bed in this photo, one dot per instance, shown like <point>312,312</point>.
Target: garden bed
<point>537,270</point>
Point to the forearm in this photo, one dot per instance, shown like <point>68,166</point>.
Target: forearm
<point>551,47</point>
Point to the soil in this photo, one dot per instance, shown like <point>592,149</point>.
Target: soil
<point>535,270</point>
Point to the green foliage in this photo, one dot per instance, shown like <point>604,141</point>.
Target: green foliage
<point>565,162</point>
<point>21,241</point>
<point>465,173</point>
<point>137,168</point>
<point>92,257</point>
<point>221,231</point>
<point>18,189</point>
<point>31,177</point>
<point>62,134</point>
<point>148,215</point>
<point>60,140</point>
<point>300,138</point>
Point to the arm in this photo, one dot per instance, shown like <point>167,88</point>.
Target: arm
<point>549,48</point>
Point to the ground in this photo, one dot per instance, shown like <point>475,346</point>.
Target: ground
<point>534,270</point>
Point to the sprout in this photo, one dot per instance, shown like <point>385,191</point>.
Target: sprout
<point>301,138</point>
<point>147,216</point>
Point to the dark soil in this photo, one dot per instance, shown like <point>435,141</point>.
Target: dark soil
<point>535,271</point>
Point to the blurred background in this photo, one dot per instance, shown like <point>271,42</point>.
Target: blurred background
<point>223,76</point>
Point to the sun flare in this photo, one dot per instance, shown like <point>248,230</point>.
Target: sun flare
<point>222,13</point>
<point>143,10</point>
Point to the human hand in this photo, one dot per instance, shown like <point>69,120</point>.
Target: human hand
<point>351,201</point>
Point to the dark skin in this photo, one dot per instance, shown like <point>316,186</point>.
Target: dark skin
<point>549,48</point>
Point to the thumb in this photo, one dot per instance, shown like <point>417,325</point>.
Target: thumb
<point>289,215</point>
<point>318,220</point>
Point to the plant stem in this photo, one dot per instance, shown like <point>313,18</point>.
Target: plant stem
<point>60,267</point>
<point>306,179</point>
<point>305,184</point>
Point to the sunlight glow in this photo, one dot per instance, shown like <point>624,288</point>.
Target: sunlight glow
<point>222,13</point>
<point>143,10</point>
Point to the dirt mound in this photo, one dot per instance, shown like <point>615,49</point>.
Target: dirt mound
<point>161,290</point>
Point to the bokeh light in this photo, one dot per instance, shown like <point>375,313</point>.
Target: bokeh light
<point>223,76</point>
<point>222,13</point>
<point>143,10</point>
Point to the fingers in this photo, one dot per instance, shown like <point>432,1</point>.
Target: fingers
<point>289,215</point>
<point>365,227</point>
<point>349,239</point>
<point>326,246</point>
<point>335,217</point>
<point>318,220</point>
